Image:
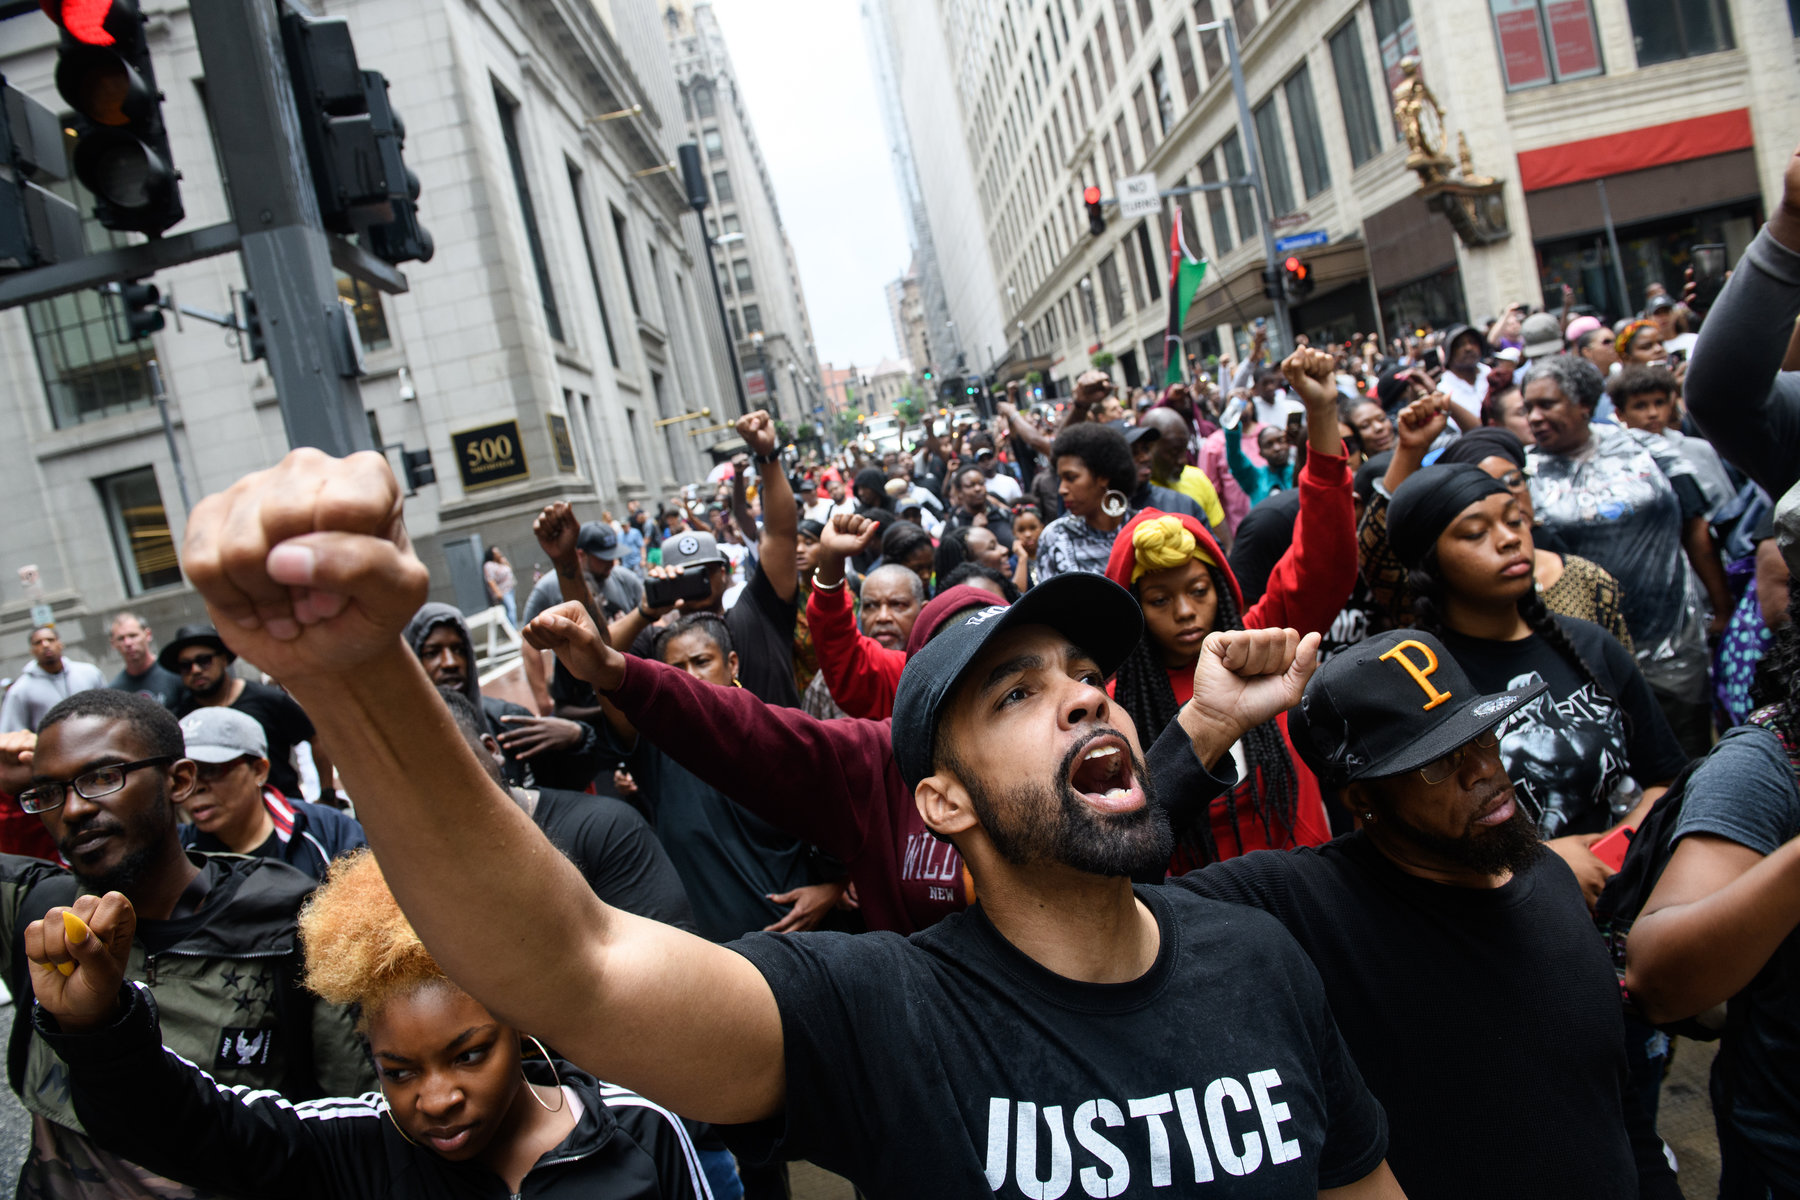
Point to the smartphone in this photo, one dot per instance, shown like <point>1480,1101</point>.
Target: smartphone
<point>1296,428</point>
<point>1611,848</point>
<point>689,585</point>
<point>1709,273</point>
<point>1433,359</point>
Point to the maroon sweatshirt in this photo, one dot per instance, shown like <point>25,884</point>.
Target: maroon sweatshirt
<point>831,783</point>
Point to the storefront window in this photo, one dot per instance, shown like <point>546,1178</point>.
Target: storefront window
<point>1652,252</point>
<point>1434,302</point>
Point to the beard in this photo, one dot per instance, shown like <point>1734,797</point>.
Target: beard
<point>1032,824</point>
<point>213,688</point>
<point>1509,847</point>
<point>144,833</point>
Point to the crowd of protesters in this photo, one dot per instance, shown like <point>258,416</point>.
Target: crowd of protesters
<point>1339,774</point>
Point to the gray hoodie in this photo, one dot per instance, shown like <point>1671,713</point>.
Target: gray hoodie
<point>36,691</point>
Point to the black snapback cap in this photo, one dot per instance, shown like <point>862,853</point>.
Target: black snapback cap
<point>1092,611</point>
<point>1391,704</point>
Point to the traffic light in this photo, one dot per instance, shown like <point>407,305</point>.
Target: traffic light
<point>353,140</point>
<point>142,303</point>
<point>1096,219</point>
<point>927,374</point>
<point>1297,279</point>
<point>418,468</point>
<point>121,148</point>
<point>36,226</point>
<point>250,329</point>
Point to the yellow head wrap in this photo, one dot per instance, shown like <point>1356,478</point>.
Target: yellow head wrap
<point>1164,543</point>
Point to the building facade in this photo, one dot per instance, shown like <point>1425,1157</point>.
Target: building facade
<point>757,273</point>
<point>906,305</point>
<point>1674,120</point>
<point>561,344</point>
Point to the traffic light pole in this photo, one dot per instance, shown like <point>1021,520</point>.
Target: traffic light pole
<point>286,251</point>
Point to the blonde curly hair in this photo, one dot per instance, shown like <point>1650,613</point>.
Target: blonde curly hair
<point>360,948</point>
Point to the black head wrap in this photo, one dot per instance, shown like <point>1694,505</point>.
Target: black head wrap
<point>1490,441</point>
<point>1363,484</point>
<point>811,528</point>
<point>1424,506</point>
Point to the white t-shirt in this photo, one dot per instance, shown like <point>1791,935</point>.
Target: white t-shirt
<point>1467,396</point>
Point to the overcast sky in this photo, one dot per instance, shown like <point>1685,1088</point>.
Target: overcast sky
<point>807,79</point>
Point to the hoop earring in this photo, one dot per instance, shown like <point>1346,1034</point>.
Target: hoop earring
<point>396,1120</point>
<point>562,1100</point>
<point>1114,503</point>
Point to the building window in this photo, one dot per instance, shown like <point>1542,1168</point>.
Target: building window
<point>1664,32</point>
<point>509,128</point>
<point>1242,203</point>
<point>1274,158</point>
<point>737,330</point>
<point>1184,63</point>
<point>1396,36</point>
<point>365,306</point>
<point>1106,148</point>
<point>1145,16</point>
<point>1243,13</point>
<point>1127,45</point>
<point>140,530</point>
<point>1151,267</point>
<point>753,318</point>
<point>715,145</point>
<point>1165,99</point>
<point>731,223</point>
<point>1131,268</point>
<point>1309,143</point>
<point>1106,58</point>
<point>1109,287</point>
<point>1212,50</point>
<point>619,231</point>
<point>1146,129</point>
<point>1124,143</point>
<point>1360,122</point>
<point>1215,207</point>
<point>593,260</point>
<point>722,187</point>
<point>740,274</point>
<point>704,107</point>
<point>87,372</point>
<point>1553,41</point>
<point>1087,54</point>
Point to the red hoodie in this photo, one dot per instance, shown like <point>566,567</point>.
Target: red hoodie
<point>864,675</point>
<point>1307,589</point>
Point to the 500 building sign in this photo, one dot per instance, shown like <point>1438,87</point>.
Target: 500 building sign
<point>489,455</point>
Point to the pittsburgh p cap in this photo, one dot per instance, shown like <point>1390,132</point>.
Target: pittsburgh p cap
<point>1092,611</point>
<point>1391,704</point>
<point>692,549</point>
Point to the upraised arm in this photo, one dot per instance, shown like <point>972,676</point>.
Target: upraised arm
<point>780,543</point>
<point>307,570</point>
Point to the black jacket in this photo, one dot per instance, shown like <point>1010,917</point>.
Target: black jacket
<point>155,1108</point>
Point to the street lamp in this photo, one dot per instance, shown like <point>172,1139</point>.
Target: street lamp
<point>694,179</point>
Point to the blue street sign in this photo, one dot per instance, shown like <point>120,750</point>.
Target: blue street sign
<point>1300,241</point>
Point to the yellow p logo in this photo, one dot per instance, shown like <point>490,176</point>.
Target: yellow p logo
<point>1420,675</point>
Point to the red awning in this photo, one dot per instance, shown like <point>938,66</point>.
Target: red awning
<point>1652,146</point>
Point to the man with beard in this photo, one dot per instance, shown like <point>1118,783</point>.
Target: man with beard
<point>1458,956</point>
<point>1143,1036</point>
<point>1465,378</point>
<point>203,662</point>
<point>46,679</point>
<point>865,662</point>
<point>215,936</point>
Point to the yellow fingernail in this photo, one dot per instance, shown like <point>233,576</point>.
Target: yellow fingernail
<point>66,968</point>
<point>74,928</point>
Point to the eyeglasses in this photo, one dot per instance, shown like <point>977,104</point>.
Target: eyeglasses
<point>198,662</point>
<point>1514,480</point>
<point>207,772</point>
<point>1435,773</point>
<point>102,781</point>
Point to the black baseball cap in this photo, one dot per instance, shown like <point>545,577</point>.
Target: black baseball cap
<point>598,539</point>
<point>1138,433</point>
<point>192,635</point>
<point>1092,611</point>
<point>1391,704</point>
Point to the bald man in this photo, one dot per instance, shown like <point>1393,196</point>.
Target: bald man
<point>1168,468</point>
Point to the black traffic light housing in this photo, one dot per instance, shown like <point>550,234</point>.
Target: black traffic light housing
<point>418,468</point>
<point>693,175</point>
<point>354,141</point>
<point>104,72</point>
<point>253,345</point>
<point>36,226</point>
<point>142,305</point>
<point>1096,218</point>
<point>1297,279</point>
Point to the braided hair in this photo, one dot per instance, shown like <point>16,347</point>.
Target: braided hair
<point>1271,788</point>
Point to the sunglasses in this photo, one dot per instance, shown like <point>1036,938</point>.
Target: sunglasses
<point>199,662</point>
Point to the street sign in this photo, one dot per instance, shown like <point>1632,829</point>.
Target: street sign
<point>1289,221</point>
<point>754,384</point>
<point>1301,241</point>
<point>42,614</point>
<point>1138,197</point>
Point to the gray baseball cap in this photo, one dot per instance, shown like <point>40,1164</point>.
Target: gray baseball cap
<point>690,550</point>
<point>216,734</point>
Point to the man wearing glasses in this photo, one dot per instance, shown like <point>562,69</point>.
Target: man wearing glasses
<point>1458,956</point>
<point>199,656</point>
<point>215,939</point>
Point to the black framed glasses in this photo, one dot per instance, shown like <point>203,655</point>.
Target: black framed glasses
<point>198,662</point>
<point>1436,772</point>
<point>101,781</point>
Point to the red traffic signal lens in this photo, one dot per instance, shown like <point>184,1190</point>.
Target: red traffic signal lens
<point>84,20</point>
<point>1091,195</point>
<point>1293,264</point>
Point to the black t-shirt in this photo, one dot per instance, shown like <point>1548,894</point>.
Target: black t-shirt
<point>761,624</point>
<point>1745,792</point>
<point>951,1064</point>
<point>164,687</point>
<point>1262,537</point>
<point>1568,751</point>
<point>1486,1021</point>
<point>616,852</point>
<point>999,521</point>
<point>284,723</point>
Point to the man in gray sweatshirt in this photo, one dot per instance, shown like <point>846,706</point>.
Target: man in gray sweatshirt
<point>45,682</point>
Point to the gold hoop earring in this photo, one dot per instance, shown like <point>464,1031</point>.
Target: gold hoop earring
<point>562,1101</point>
<point>395,1120</point>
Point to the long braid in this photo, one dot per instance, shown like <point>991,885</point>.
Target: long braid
<point>1271,788</point>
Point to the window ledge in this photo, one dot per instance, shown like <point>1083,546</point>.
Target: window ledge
<point>104,431</point>
<point>568,357</point>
